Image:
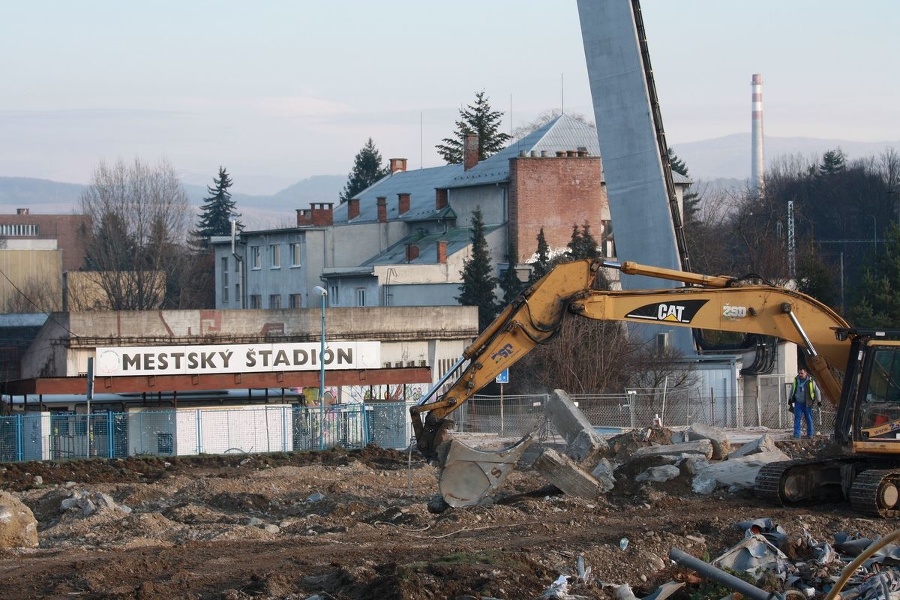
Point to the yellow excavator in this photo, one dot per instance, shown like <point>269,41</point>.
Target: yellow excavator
<point>858,372</point>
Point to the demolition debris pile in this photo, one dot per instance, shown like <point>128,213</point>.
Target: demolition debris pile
<point>356,524</point>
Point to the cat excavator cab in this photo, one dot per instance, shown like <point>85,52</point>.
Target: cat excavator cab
<point>858,372</point>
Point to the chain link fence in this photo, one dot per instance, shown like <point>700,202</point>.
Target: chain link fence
<point>287,427</point>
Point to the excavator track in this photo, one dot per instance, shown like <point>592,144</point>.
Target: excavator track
<point>870,488</point>
<point>806,481</point>
<point>877,492</point>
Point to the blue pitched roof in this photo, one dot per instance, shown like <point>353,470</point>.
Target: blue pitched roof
<point>561,134</point>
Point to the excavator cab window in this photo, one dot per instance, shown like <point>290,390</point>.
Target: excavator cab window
<point>880,409</point>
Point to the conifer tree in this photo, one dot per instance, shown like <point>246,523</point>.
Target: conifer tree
<point>217,211</point>
<point>480,119</point>
<point>582,244</point>
<point>509,281</point>
<point>367,169</point>
<point>541,265</point>
<point>478,283</point>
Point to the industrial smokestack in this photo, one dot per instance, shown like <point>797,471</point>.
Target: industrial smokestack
<point>756,159</point>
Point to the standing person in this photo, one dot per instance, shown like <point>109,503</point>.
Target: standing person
<point>803,394</point>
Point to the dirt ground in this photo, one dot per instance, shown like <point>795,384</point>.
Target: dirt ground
<point>356,525</point>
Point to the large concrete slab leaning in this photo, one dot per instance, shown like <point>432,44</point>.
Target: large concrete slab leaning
<point>582,442</point>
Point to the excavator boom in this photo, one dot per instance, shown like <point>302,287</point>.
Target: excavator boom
<point>707,302</point>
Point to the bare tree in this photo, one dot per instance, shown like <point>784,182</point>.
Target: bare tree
<point>141,216</point>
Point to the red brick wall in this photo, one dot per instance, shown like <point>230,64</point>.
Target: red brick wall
<point>555,193</point>
<point>71,233</point>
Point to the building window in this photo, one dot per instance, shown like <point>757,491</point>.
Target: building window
<point>360,296</point>
<point>255,301</point>
<point>275,301</point>
<point>225,272</point>
<point>333,296</point>
<point>275,256</point>
<point>296,300</point>
<point>295,254</point>
<point>255,258</point>
<point>237,294</point>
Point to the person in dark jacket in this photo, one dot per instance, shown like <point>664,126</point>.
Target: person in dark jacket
<point>800,402</point>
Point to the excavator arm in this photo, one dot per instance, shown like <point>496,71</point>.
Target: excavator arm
<point>706,302</point>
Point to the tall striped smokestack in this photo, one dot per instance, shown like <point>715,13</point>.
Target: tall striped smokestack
<point>756,159</point>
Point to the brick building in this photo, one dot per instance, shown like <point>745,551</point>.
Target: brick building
<point>403,240</point>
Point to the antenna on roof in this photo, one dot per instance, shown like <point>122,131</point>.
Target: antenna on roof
<point>421,127</point>
<point>510,116</point>
<point>562,95</point>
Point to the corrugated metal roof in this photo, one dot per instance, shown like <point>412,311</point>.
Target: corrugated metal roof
<point>457,239</point>
<point>561,134</point>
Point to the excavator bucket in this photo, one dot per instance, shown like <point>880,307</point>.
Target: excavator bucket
<point>469,474</point>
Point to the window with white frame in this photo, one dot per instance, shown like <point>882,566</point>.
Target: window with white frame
<point>255,258</point>
<point>333,299</point>
<point>360,296</point>
<point>295,254</point>
<point>275,256</point>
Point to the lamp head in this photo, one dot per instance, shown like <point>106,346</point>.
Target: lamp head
<point>320,291</point>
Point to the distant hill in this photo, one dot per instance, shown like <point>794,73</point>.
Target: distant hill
<point>38,195</point>
<point>719,163</point>
<point>729,156</point>
<point>42,196</point>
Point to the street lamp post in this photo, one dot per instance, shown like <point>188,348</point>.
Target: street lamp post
<point>324,294</point>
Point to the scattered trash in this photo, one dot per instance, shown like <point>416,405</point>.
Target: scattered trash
<point>315,497</point>
<point>623,543</point>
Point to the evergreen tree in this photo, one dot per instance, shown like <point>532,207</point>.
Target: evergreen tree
<point>691,200</point>
<point>877,302</point>
<point>477,118</point>
<point>833,162</point>
<point>582,244</point>
<point>217,211</point>
<point>509,281</point>
<point>478,284</point>
<point>541,265</point>
<point>367,169</point>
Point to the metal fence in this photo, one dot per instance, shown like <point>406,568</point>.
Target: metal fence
<point>286,427</point>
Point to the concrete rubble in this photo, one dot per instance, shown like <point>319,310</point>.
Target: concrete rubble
<point>18,526</point>
<point>588,466</point>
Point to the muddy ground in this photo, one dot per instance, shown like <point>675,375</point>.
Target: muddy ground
<point>356,525</point>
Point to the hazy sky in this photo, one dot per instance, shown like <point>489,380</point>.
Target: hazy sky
<point>286,89</point>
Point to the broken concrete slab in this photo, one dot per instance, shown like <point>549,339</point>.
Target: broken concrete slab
<point>700,447</point>
<point>604,473</point>
<point>564,473</point>
<point>568,420</point>
<point>659,474</point>
<point>739,472</point>
<point>719,439</point>
<point>764,443</point>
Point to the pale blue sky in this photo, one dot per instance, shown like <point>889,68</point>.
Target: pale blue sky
<point>281,90</point>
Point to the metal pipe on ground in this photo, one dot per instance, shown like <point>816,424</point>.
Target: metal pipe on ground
<point>720,576</point>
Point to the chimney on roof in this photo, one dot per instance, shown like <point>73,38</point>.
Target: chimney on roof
<point>397,164</point>
<point>22,211</point>
<point>381,203</point>
<point>441,198</point>
<point>319,214</point>
<point>442,252</point>
<point>470,151</point>
<point>352,208</point>
<point>402,203</point>
<point>412,252</point>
